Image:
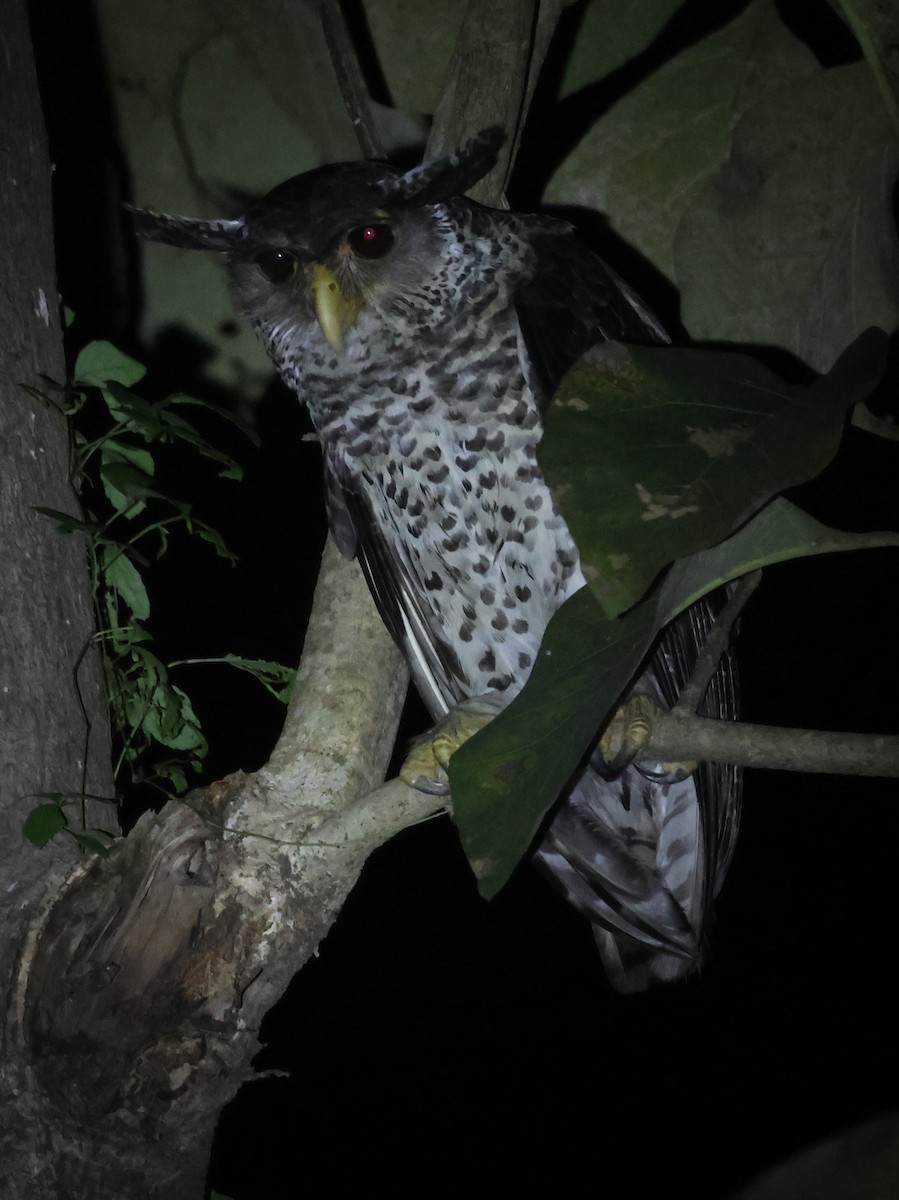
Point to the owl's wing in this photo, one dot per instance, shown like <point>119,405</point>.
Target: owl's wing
<point>642,853</point>
<point>571,302</point>
<point>720,784</point>
<point>641,856</point>
<point>395,587</point>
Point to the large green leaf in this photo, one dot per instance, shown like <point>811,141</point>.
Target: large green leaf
<point>793,242</point>
<point>130,481</point>
<point>652,153</point>
<point>506,779</point>
<point>414,40</point>
<point>779,533</point>
<point>656,453</point>
<point>611,33</point>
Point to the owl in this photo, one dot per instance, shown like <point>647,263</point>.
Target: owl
<point>426,334</point>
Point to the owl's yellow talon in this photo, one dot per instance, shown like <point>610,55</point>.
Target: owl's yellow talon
<point>625,736</point>
<point>427,762</point>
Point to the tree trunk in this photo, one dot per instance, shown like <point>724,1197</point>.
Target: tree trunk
<point>46,609</point>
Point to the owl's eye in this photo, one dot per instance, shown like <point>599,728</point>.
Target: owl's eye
<point>276,265</point>
<point>370,241</point>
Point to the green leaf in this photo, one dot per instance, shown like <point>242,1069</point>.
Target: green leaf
<point>779,533</point>
<point>182,400</point>
<point>130,481</point>
<point>133,412</point>
<point>136,687</point>
<point>207,534</point>
<point>793,242</point>
<point>173,773</point>
<point>43,823</point>
<point>506,778</point>
<point>859,1163</point>
<point>274,677</point>
<point>172,722</point>
<point>124,638</point>
<point>69,524</point>
<point>655,453</point>
<point>414,40</point>
<point>151,668</point>
<point>876,28</point>
<point>120,573</point>
<point>96,840</point>
<point>114,452</point>
<point>101,361</point>
<point>863,418</point>
<point>611,34</point>
<point>651,154</point>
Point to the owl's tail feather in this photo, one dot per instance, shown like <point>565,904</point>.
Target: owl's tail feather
<point>628,854</point>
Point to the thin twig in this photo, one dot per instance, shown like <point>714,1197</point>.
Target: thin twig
<point>716,644</point>
<point>350,79</point>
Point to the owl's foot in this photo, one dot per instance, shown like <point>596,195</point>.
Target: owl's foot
<point>426,764</point>
<point>626,735</point>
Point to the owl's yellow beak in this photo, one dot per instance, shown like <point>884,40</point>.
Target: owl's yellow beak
<point>334,311</point>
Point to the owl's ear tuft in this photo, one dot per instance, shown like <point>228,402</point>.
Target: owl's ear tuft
<point>442,178</point>
<point>191,233</point>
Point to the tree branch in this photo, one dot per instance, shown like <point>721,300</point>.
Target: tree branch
<point>161,960</point>
<point>683,737</point>
<point>350,79</point>
<point>486,84</point>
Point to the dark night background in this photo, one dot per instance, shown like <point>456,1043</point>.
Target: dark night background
<point>439,1045</point>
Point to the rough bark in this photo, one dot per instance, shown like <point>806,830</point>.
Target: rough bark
<point>141,991</point>
<point>44,595</point>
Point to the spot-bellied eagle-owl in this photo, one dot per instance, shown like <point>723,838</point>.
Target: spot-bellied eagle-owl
<point>425,334</point>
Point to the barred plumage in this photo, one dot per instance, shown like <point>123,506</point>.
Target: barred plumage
<point>424,333</point>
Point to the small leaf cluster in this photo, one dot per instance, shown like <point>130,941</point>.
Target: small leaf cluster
<point>127,518</point>
<point>50,818</point>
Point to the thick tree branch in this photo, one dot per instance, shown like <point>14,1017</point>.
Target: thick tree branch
<point>158,963</point>
<point>487,84</point>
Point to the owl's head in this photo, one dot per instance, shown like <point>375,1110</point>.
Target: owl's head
<point>324,245</point>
